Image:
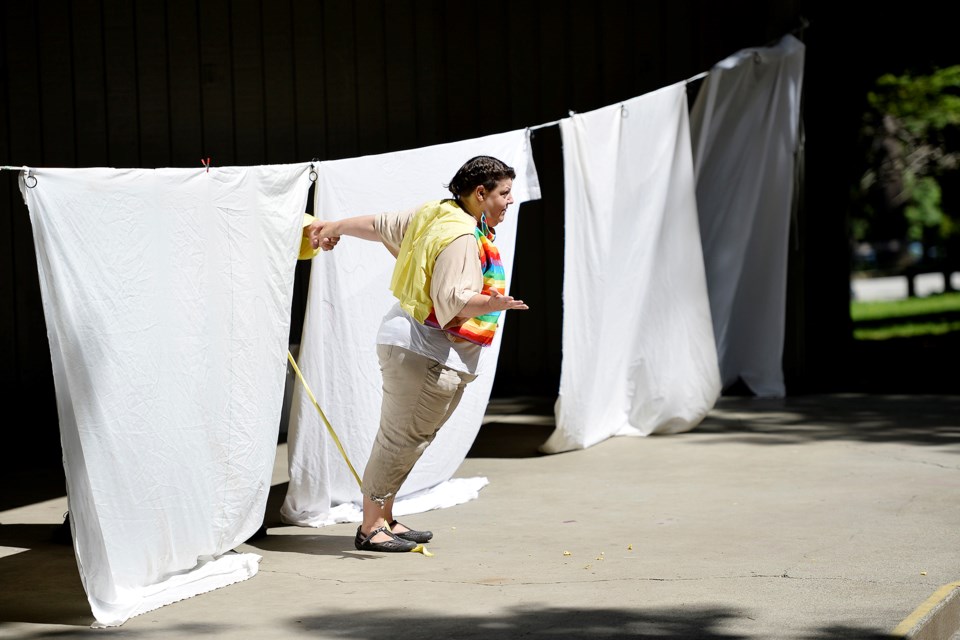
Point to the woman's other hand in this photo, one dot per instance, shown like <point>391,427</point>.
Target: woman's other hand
<point>483,303</point>
<point>499,302</point>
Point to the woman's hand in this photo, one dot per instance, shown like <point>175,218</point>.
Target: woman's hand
<point>319,234</point>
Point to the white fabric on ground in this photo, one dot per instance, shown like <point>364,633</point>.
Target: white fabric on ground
<point>446,494</point>
<point>167,300</point>
<point>745,125</point>
<point>638,350</point>
<point>349,295</point>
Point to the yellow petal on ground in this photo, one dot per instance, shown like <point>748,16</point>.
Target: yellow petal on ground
<point>567,553</point>
<point>629,547</point>
<point>421,549</point>
<point>923,573</point>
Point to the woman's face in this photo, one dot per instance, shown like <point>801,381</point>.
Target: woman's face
<point>496,201</point>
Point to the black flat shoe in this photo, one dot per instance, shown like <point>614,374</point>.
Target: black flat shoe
<point>420,537</point>
<point>393,545</point>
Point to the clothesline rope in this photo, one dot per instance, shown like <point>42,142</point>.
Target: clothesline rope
<point>702,74</point>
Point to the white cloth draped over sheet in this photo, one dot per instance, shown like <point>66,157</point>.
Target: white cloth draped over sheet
<point>348,296</point>
<point>638,350</point>
<point>745,126</point>
<point>167,299</point>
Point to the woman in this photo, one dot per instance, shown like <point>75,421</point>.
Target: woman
<point>450,290</point>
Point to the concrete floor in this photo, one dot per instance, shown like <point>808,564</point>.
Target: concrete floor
<point>811,517</point>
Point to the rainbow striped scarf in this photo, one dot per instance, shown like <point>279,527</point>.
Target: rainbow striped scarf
<point>480,330</point>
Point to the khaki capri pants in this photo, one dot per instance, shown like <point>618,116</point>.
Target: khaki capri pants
<point>419,395</point>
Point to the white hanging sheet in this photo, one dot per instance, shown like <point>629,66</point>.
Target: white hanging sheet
<point>348,297</point>
<point>638,350</point>
<point>745,130</point>
<point>167,300</point>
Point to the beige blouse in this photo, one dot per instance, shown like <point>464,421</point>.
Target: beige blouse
<point>456,274</point>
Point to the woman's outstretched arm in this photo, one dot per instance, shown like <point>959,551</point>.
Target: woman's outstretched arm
<point>326,233</point>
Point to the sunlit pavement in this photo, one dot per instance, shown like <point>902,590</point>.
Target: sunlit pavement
<point>810,517</point>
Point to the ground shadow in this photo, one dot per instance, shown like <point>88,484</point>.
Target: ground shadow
<point>42,583</point>
<point>509,440</point>
<point>908,419</point>
<point>314,544</point>
<point>686,623</point>
<point>679,623</point>
<point>514,428</point>
<point>308,540</point>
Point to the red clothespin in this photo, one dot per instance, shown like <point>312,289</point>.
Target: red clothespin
<point>206,163</point>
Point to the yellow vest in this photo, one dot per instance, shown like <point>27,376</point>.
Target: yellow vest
<point>435,225</point>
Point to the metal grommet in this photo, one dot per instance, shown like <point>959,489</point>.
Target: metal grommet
<point>623,112</point>
<point>313,175</point>
<point>27,181</point>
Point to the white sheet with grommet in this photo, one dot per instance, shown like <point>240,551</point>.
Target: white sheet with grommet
<point>167,298</point>
<point>349,295</point>
<point>638,349</point>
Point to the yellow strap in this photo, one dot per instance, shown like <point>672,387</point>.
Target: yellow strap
<point>333,433</point>
<point>419,548</point>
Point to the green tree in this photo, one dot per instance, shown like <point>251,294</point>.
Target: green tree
<point>910,131</point>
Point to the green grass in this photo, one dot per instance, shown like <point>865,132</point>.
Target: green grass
<point>913,317</point>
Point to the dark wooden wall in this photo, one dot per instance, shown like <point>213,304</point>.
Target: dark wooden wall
<point>159,83</point>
